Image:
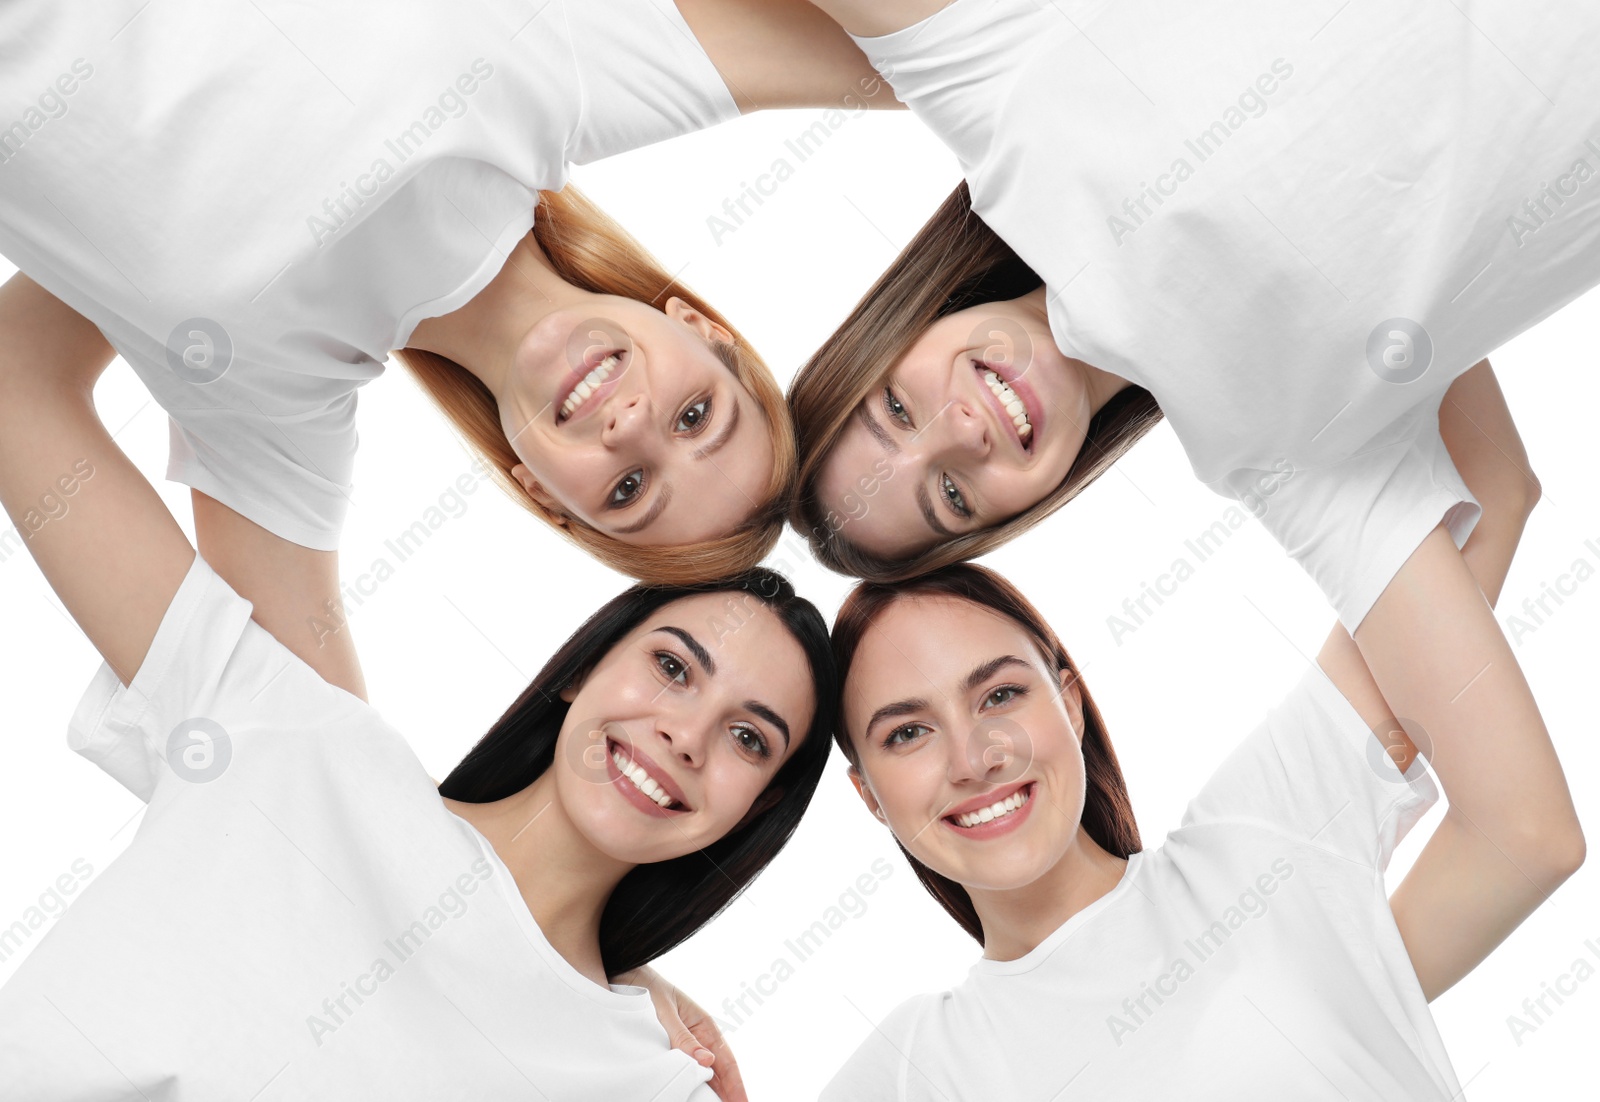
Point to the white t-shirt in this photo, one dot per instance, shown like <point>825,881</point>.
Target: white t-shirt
<point>1251,956</point>
<point>299,916</point>
<point>257,202</point>
<point>1232,201</point>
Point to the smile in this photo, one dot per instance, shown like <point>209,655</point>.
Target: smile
<point>1009,401</point>
<point>639,779</point>
<point>589,384</point>
<point>997,810</point>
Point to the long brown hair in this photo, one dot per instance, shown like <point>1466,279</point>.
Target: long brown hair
<point>955,261</point>
<point>588,249</point>
<point>1107,812</point>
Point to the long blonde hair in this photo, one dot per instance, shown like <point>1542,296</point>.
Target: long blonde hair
<point>591,251</point>
<point>955,261</point>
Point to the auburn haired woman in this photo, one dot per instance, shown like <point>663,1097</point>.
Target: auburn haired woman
<point>303,913</point>
<point>1253,954</point>
<point>256,204</point>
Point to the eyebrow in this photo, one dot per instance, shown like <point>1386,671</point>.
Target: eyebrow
<point>650,515</point>
<point>660,503</point>
<point>730,423</point>
<point>926,505</point>
<point>703,656</point>
<point>978,675</point>
<point>879,433</point>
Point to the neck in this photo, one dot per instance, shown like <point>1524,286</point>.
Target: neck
<point>1015,921</point>
<point>483,336</point>
<point>1099,385</point>
<point>563,879</point>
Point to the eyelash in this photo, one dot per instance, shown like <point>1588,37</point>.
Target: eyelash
<point>947,488</point>
<point>614,502</point>
<point>762,749</point>
<point>1016,691</point>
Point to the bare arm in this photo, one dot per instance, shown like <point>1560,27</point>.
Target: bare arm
<point>1431,651</point>
<point>870,18</point>
<point>784,53</point>
<point>294,590</point>
<point>116,557</point>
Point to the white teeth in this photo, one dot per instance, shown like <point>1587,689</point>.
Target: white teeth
<point>1012,404</point>
<point>996,810</point>
<point>588,385</point>
<point>640,779</point>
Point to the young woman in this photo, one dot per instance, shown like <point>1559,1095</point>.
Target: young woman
<point>255,205</point>
<point>1253,954</point>
<point>303,913</point>
<point>1220,213</point>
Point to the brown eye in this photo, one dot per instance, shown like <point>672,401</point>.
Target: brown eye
<point>627,488</point>
<point>693,419</point>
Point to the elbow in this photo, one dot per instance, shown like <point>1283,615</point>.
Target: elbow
<point>1554,854</point>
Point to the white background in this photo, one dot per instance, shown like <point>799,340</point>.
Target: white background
<point>459,629</point>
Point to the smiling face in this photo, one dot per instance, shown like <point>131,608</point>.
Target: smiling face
<point>980,419</point>
<point>968,747</point>
<point>674,735</point>
<point>627,419</point>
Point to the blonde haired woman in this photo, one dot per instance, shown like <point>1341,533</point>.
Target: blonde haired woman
<point>256,204</point>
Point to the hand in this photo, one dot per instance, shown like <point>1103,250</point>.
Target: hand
<point>691,1029</point>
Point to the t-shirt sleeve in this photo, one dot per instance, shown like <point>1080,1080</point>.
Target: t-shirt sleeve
<point>956,68</point>
<point>877,1069</point>
<point>666,87</point>
<point>158,726</point>
<point>1314,771</point>
<point>1353,525</point>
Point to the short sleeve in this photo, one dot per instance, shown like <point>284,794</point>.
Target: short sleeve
<point>956,68</point>
<point>206,646</point>
<point>667,87</point>
<point>1314,771</point>
<point>877,1069</point>
<point>290,475</point>
<point>1353,525</point>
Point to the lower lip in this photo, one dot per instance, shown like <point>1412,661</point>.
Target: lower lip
<point>1003,825</point>
<point>1025,395</point>
<point>631,793</point>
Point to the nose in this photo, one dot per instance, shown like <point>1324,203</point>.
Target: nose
<point>986,754</point>
<point>684,738</point>
<point>624,419</point>
<point>967,431</point>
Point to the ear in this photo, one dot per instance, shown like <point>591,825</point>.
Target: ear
<point>678,310</point>
<point>1072,698</point>
<point>569,692</point>
<point>766,801</point>
<point>865,792</point>
<point>552,510</point>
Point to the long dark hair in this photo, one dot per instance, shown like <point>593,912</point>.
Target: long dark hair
<point>955,261</point>
<point>1107,812</point>
<point>657,906</point>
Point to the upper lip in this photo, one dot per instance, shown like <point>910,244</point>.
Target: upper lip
<point>1024,395</point>
<point>657,774</point>
<point>591,360</point>
<point>992,796</point>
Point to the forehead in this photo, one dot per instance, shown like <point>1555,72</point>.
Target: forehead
<point>926,645</point>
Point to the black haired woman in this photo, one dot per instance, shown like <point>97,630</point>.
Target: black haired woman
<point>1255,953</point>
<point>303,914</point>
